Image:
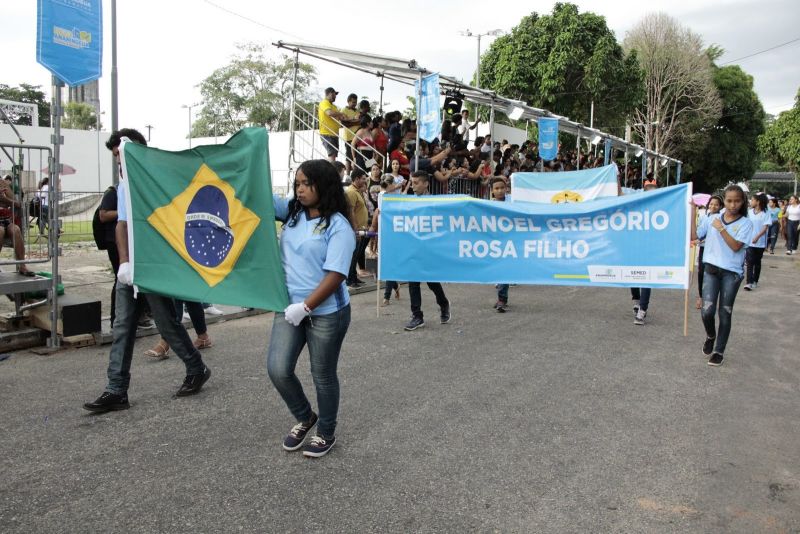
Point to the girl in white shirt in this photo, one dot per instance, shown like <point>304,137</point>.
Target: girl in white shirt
<point>792,223</point>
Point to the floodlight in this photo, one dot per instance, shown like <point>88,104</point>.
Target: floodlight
<point>639,152</point>
<point>515,113</point>
<point>596,140</point>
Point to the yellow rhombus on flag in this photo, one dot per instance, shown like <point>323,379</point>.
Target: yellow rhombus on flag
<point>171,222</point>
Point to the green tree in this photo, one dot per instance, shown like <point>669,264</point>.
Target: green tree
<point>780,143</point>
<point>732,152</point>
<point>563,62</point>
<point>251,89</point>
<point>79,116</point>
<point>30,94</point>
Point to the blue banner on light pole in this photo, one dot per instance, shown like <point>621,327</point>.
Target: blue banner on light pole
<point>548,138</point>
<point>429,117</point>
<point>69,39</point>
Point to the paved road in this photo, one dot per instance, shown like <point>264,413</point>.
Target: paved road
<point>558,416</point>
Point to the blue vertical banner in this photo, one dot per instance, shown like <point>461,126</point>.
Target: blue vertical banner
<point>429,117</point>
<point>548,138</point>
<point>69,39</point>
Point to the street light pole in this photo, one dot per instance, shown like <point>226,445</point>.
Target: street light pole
<point>97,127</point>
<point>189,107</point>
<point>468,33</point>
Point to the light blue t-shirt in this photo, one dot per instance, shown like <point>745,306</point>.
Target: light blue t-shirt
<point>309,252</point>
<point>717,252</point>
<point>773,214</point>
<point>759,220</point>
<point>122,206</point>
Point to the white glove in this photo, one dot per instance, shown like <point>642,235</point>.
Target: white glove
<point>124,274</point>
<point>295,313</point>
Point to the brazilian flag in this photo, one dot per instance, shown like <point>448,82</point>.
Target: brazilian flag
<point>201,223</point>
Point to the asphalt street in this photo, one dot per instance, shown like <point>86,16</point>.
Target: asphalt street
<point>558,416</point>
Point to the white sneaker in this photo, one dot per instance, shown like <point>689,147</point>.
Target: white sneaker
<point>748,287</point>
<point>640,315</point>
<point>754,285</point>
<point>211,310</point>
<point>186,316</point>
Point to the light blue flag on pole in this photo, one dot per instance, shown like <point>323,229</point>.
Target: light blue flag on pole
<point>69,39</point>
<point>548,138</point>
<point>560,187</point>
<point>627,241</point>
<point>429,118</point>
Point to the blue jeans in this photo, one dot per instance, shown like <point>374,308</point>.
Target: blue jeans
<point>502,293</point>
<point>324,335</point>
<point>124,332</point>
<point>719,290</point>
<point>774,230</point>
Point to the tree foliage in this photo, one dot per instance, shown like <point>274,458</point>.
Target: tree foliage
<point>681,104</point>
<point>79,116</point>
<point>562,62</point>
<point>251,90</point>
<point>30,94</point>
<point>732,152</point>
<point>781,140</point>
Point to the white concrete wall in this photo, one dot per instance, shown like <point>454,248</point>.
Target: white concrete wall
<point>81,149</point>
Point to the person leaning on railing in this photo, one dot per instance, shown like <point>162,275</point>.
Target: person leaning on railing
<point>7,226</point>
<point>329,114</point>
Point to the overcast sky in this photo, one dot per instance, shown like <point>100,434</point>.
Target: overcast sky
<point>167,47</point>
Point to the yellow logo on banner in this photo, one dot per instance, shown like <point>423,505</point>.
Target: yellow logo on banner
<point>566,196</point>
<point>206,225</point>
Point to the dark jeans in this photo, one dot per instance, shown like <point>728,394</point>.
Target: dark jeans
<point>124,332</point>
<point>390,285</point>
<point>791,233</point>
<point>324,335</point>
<point>753,255</point>
<point>774,230</point>
<point>361,247</point>
<point>196,313</point>
<point>416,297</point>
<point>502,293</point>
<point>700,271</point>
<point>113,257</point>
<point>719,291</point>
<point>642,294</point>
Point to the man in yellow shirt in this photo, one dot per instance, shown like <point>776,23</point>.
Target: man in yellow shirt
<point>328,127</point>
<point>359,218</point>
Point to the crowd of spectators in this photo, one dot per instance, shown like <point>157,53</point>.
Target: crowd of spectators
<point>458,161</point>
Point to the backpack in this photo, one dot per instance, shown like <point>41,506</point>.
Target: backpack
<point>98,227</point>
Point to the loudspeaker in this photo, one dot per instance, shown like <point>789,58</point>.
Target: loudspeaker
<point>76,315</point>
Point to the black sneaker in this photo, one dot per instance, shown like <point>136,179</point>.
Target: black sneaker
<point>192,384</point>
<point>318,446</point>
<point>414,323</point>
<point>445,316</point>
<point>108,402</point>
<point>715,360</point>
<point>708,346</point>
<point>145,323</point>
<point>294,440</point>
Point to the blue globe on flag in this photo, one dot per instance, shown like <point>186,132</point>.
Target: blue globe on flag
<point>208,236</point>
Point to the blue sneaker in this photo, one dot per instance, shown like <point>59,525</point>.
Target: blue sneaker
<point>294,440</point>
<point>318,446</point>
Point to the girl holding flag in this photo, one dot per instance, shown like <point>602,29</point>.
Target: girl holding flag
<point>726,237</point>
<point>317,244</point>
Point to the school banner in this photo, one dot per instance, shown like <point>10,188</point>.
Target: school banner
<point>628,241</point>
<point>429,110</point>
<point>559,187</point>
<point>548,138</point>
